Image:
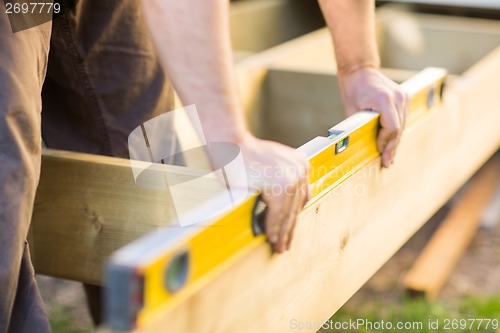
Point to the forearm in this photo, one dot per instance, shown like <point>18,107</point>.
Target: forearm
<point>192,40</point>
<point>352,24</point>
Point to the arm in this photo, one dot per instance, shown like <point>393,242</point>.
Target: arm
<point>192,40</point>
<point>352,24</point>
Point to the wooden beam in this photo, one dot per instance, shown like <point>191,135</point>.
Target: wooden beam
<point>106,209</point>
<point>313,54</point>
<point>351,232</point>
<point>258,25</point>
<point>308,55</point>
<point>290,92</point>
<point>304,101</point>
<point>458,3</point>
<point>434,265</point>
<point>301,105</point>
<point>252,75</point>
<point>491,216</point>
<point>88,206</point>
<point>304,67</point>
<point>415,41</point>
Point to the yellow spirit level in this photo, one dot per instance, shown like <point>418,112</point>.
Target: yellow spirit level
<point>152,274</point>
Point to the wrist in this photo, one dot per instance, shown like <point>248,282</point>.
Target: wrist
<point>223,122</point>
<point>346,70</point>
<point>235,135</point>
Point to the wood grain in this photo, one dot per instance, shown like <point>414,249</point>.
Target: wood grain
<point>340,242</point>
<point>88,206</point>
<point>352,231</point>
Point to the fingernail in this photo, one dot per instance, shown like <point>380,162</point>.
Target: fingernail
<point>273,239</point>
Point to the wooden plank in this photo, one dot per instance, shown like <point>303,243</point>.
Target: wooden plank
<point>290,92</point>
<point>449,42</point>
<point>88,206</point>
<point>252,75</point>
<point>414,41</point>
<point>257,25</point>
<point>301,53</point>
<point>433,266</point>
<point>342,240</point>
<point>301,105</point>
<point>491,216</point>
<point>303,101</point>
<point>461,3</point>
<point>442,41</point>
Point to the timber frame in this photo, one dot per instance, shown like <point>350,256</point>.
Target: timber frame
<point>86,208</point>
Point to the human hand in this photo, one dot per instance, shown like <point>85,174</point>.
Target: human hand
<point>368,89</point>
<point>281,173</point>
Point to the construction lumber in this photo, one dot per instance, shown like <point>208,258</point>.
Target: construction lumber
<point>487,4</point>
<point>303,101</point>
<point>344,238</point>
<point>340,241</point>
<point>257,25</point>
<point>441,254</point>
<point>491,215</point>
<point>436,40</point>
<point>301,105</point>
<point>414,41</point>
<point>252,75</point>
<point>290,92</point>
<point>265,107</point>
<point>88,206</point>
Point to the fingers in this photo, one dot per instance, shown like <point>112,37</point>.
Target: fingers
<point>406,107</point>
<point>284,205</point>
<point>306,195</point>
<point>278,212</point>
<point>390,131</point>
<point>281,173</point>
<point>368,88</point>
<point>402,104</point>
<point>289,225</point>
<point>389,151</point>
<point>302,197</point>
<point>393,116</point>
